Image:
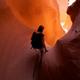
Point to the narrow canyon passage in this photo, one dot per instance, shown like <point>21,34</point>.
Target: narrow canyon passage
<point>17,59</point>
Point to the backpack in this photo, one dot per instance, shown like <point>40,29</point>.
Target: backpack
<point>37,40</point>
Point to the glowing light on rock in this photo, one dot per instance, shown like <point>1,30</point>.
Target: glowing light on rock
<point>46,12</point>
<point>32,13</point>
<point>65,20</point>
<point>70,2</point>
<point>62,24</point>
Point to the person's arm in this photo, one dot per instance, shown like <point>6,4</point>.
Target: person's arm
<point>44,45</point>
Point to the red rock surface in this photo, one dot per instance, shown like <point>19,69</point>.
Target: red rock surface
<point>33,13</point>
<point>17,59</point>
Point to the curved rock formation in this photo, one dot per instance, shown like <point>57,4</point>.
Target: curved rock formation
<point>33,13</point>
<point>17,59</point>
<point>73,10</point>
<point>63,62</point>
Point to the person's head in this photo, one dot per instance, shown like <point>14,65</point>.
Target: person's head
<point>41,28</point>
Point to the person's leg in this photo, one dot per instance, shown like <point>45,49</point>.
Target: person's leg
<point>36,65</point>
<point>41,57</point>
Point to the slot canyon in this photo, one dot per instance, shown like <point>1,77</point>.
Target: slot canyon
<point>44,12</point>
<point>18,20</point>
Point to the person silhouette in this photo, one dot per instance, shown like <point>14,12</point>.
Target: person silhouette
<point>37,41</point>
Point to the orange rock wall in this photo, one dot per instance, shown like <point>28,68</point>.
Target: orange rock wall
<point>32,13</point>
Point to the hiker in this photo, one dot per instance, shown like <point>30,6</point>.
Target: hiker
<point>37,40</point>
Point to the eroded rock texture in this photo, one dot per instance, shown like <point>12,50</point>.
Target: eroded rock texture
<point>17,59</point>
<point>33,13</point>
